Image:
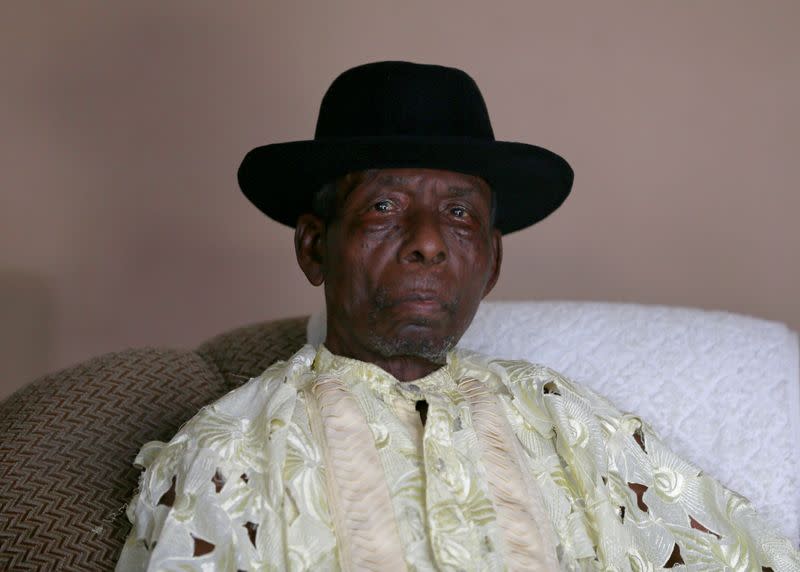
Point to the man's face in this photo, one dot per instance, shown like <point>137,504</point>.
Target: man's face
<point>405,261</point>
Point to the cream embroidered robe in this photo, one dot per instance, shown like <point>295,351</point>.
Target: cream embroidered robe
<point>322,463</point>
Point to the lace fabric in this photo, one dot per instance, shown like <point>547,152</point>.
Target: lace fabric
<point>322,463</point>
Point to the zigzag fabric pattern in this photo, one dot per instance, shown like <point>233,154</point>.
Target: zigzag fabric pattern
<point>68,439</point>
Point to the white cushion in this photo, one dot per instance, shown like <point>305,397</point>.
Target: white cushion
<point>723,390</point>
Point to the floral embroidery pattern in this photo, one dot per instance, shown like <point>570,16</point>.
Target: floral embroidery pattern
<point>246,484</point>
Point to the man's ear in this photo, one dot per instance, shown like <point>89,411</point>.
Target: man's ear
<point>497,247</point>
<point>309,240</point>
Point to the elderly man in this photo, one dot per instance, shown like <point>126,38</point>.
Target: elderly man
<point>385,448</point>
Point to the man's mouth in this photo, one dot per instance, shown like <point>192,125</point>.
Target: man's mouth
<point>415,299</point>
<point>420,304</point>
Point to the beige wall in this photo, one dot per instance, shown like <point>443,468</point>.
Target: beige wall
<point>122,127</point>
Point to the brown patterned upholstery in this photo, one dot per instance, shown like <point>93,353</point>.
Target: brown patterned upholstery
<point>67,440</point>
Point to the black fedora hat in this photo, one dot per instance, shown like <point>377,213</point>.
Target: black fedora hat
<point>401,114</point>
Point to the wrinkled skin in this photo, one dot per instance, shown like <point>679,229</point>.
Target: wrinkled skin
<point>405,262</point>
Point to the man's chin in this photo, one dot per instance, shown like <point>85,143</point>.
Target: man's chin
<point>429,347</point>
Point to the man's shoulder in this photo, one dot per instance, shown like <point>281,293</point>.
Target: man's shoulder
<point>542,393</point>
<point>236,416</point>
<point>252,397</point>
<point>524,375</point>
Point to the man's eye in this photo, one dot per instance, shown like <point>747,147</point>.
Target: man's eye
<point>382,206</point>
<point>459,212</point>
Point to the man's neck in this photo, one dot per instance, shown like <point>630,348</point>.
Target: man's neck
<point>403,368</point>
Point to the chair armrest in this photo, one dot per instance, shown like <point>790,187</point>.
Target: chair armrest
<point>68,441</point>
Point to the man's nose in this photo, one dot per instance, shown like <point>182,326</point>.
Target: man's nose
<point>424,240</point>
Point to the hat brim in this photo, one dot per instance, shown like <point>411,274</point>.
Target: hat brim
<point>530,182</point>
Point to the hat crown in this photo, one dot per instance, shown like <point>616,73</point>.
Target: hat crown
<point>398,99</point>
